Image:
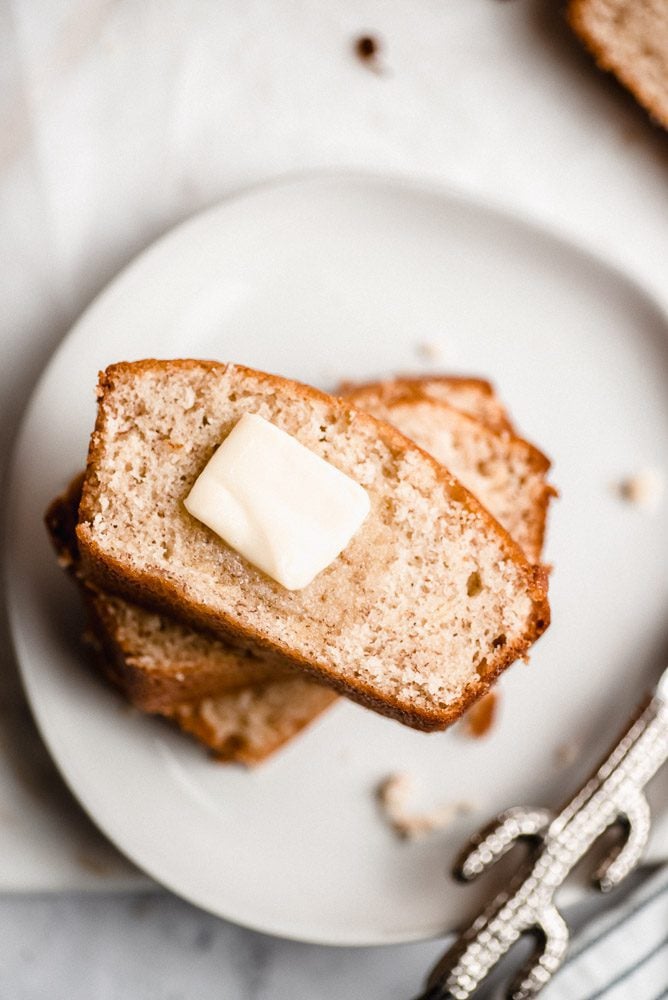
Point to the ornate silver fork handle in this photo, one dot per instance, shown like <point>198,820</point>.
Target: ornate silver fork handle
<point>613,795</point>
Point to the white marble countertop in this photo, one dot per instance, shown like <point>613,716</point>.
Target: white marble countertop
<point>119,119</point>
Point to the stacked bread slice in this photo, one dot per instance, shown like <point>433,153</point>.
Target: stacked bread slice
<point>426,606</point>
<point>241,706</point>
<point>630,39</point>
<point>506,473</point>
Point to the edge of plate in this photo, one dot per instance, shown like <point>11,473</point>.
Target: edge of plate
<point>311,178</point>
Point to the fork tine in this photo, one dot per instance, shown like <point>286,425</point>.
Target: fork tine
<point>496,839</point>
<point>534,976</point>
<point>624,859</point>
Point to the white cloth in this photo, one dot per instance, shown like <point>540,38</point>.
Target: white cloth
<point>622,955</point>
<point>120,119</point>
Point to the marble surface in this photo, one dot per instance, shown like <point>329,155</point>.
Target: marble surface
<point>119,118</point>
<point>154,946</point>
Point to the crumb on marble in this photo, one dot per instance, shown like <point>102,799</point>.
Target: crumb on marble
<point>368,49</point>
<point>394,794</point>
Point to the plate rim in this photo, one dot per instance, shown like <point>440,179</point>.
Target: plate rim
<point>502,213</point>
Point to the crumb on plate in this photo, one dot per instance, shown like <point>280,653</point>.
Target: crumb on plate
<point>394,794</point>
<point>430,351</point>
<point>481,716</point>
<point>566,754</point>
<point>644,489</point>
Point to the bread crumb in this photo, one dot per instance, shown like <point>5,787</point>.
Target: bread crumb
<point>394,794</point>
<point>430,352</point>
<point>480,717</point>
<point>368,50</point>
<point>566,754</point>
<point>644,489</point>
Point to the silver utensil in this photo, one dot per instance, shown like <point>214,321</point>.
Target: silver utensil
<point>613,795</point>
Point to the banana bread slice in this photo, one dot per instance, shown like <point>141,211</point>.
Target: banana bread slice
<point>248,725</point>
<point>506,473</point>
<point>155,660</point>
<point>157,663</point>
<point>473,396</point>
<point>630,39</point>
<point>427,604</point>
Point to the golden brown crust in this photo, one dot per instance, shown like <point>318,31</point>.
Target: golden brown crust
<point>157,690</point>
<point>156,694</point>
<point>413,386</point>
<point>191,716</point>
<point>578,15</point>
<point>61,521</point>
<point>163,601</point>
<point>153,690</point>
<point>167,596</point>
<point>239,747</point>
<point>482,385</point>
<point>403,391</point>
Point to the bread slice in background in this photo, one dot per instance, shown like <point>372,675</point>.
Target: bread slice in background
<point>630,39</point>
<point>158,663</point>
<point>248,725</point>
<point>245,722</point>
<point>427,604</point>
<point>161,661</point>
<point>473,396</point>
<point>506,473</point>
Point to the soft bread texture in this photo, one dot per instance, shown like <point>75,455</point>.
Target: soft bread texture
<point>429,602</point>
<point>157,661</point>
<point>506,473</point>
<point>257,707</point>
<point>474,396</point>
<point>630,39</point>
<point>243,724</point>
<point>248,725</point>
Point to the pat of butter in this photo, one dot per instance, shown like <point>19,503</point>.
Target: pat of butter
<point>285,509</point>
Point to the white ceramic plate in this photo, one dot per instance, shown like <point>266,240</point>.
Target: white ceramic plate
<point>322,279</point>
